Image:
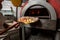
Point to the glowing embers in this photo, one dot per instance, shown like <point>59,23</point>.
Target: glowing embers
<point>37,12</point>
<point>34,11</point>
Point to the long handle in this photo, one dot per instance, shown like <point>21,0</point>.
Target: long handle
<point>5,30</point>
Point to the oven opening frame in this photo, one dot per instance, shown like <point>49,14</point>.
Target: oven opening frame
<point>48,16</point>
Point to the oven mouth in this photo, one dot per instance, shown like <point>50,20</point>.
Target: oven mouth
<point>37,11</point>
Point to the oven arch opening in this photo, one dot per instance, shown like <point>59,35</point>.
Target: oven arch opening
<point>37,11</point>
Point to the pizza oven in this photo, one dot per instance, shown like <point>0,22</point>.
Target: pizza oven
<point>44,11</point>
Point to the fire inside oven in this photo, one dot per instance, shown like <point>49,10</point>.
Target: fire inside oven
<point>37,10</point>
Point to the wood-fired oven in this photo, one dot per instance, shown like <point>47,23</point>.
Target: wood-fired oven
<point>47,18</point>
<point>44,11</point>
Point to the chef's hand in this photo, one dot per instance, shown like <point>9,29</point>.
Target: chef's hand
<point>14,22</point>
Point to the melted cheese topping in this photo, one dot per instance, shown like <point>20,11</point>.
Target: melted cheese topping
<point>27,20</point>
